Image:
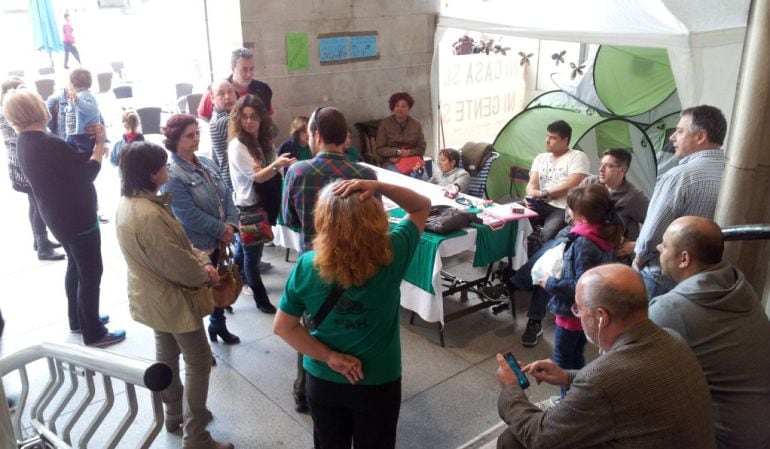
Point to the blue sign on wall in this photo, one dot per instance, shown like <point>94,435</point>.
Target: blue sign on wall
<point>333,49</point>
<point>363,46</point>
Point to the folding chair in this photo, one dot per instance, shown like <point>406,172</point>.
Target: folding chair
<point>183,89</point>
<point>104,80</point>
<point>193,100</point>
<point>45,87</point>
<point>122,92</point>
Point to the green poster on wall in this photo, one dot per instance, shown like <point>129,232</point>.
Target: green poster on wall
<point>296,52</point>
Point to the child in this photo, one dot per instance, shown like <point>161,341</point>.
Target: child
<point>131,125</point>
<point>82,111</point>
<point>298,145</point>
<point>595,234</point>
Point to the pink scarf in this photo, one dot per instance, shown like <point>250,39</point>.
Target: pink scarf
<point>591,232</point>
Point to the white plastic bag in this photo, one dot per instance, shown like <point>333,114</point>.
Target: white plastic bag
<point>549,264</point>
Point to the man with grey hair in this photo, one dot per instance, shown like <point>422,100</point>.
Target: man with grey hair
<point>242,66</point>
<point>690,188</point>
<point>718,313</point>
<point>646,389</point>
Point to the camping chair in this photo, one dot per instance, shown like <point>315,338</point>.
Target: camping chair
<point>478,186</point>
<point>367,131</point>
<point>517,174</point>
<point>45,87</point>
<point>104,80</point>
<point>193,100</point>
<point>183,89</point>
<point>150,118</point>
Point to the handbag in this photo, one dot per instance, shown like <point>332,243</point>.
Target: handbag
<point>255,226</point>
<point>549,264</point>
<point>228,289</point>
<point>409,164</point>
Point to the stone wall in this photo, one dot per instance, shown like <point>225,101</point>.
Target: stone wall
<point>360,89</point>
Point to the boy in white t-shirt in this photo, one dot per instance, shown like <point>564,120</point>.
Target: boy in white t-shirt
<point>552,174</point>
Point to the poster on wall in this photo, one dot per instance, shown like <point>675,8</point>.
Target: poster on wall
<point>342,48</point>
<point>296,52</point>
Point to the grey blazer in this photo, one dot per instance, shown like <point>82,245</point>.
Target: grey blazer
<point>648,391</point>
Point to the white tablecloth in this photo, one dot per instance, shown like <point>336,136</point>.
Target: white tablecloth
<point>428,305</point>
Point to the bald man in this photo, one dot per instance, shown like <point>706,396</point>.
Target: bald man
<point>223,97</point>
<point>646,390</point>
<point>718,313</point>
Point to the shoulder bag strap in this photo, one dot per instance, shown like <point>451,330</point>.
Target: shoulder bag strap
<point>326,307</point>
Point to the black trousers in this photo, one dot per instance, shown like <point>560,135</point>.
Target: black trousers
<point>82,284</point>
<point>551,218</point>
<point>70,48</point>
<point>365,415</point>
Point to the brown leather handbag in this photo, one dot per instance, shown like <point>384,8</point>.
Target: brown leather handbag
<point>228,289</point>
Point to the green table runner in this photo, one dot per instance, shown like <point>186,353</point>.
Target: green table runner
<point>420,270</point>
<point>492,245</point>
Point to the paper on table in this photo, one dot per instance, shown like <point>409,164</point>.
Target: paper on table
<point>505,212</point>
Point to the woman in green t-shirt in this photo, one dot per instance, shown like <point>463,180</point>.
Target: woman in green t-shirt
<point>353,354</point>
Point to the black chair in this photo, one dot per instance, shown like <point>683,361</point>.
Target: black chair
<point>17,73</point>
<point>193,100</point>
<point>150,118</point>
<point>45,71</point>
<point>183,89</point>
<point>104,80</point>
<point>123,92</point>
<point>367,131</point>
<point>45,87</point>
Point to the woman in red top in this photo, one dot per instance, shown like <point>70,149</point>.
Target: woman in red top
<point>69,42</point>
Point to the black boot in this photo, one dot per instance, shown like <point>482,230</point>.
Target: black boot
<point>46,242</point>
<point>222,332</point>
<point>46,252</point>
<point>263,304</point>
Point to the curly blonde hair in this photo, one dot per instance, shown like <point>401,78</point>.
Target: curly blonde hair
<point>352,238</point>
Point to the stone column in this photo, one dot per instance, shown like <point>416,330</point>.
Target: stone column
<point>745,193</point>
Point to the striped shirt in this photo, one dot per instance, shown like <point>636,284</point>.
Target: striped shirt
<point>218,131</point>
<point>690,188</point>
<point>305,179</point>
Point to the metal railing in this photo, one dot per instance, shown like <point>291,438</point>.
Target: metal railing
<point>746,232</point>
<point>77,367</point>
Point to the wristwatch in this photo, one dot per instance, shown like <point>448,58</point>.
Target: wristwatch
<point>543,194</point>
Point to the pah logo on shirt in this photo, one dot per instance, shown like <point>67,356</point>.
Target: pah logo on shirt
<point>347,306</point>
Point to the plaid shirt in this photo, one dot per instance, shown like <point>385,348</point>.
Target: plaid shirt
<point>690,188</point>
<point>305,179</point>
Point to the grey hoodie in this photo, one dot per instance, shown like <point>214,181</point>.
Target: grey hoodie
<point>720,316</point>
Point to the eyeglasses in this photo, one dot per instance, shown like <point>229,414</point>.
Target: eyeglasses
<point>601,166</point>
<point>312,126</point>
<point>575,310</point>
<point>252,117</point>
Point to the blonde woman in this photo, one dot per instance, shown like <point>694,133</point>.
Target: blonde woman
<point>353,355</point>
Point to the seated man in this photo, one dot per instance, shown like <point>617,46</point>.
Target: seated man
<point>645,390</point>
<point>718,313</point>
<point>552,174</point>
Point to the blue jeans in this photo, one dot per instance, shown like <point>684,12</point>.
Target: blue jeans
<point>522,280</point>
<point>655,282</point>
<point>248,258</point>
<point>82,282</point>
<point>568,347</point>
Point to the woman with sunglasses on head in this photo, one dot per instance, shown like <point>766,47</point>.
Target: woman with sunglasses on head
<point>200,201</point>
<point>256,173</point>
<point>352,355</point>
<point>168,289</point>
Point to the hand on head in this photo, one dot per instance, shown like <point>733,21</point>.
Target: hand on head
<point>367,188</point>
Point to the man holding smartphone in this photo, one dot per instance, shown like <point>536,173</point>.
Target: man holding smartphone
<point>645,390</point>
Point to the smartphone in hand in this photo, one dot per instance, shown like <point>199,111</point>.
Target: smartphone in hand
<point>511,360</point>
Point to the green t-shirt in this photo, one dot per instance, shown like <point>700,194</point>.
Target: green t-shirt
<point>365,321</point>
<point>304,153</point>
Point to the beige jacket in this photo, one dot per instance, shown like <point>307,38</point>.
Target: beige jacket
<point>167,284</point>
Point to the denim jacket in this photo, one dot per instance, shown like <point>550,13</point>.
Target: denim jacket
<point>580,255</point>
<point>196,203</point>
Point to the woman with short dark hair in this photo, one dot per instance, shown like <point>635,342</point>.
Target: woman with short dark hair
<point>353,355</point>
<point>168,289</point>
<point>200,201</point>
<point>399,135</point>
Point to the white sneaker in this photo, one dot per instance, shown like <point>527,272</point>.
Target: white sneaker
<point>247,290</point>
